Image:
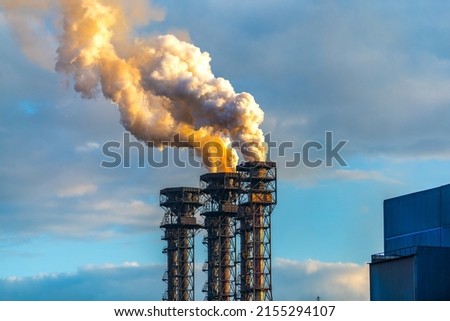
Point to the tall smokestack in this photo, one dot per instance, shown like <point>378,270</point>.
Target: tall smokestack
<point>257,200</point>
<point>220,192</point>
<point>180,226</point>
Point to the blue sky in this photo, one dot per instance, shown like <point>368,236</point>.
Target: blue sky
<point>375,73</point>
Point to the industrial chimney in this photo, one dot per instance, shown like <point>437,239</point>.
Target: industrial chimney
<point>257,199</point>
<point>237,209</point>
<point>220,197</point>
<point>180,226</point>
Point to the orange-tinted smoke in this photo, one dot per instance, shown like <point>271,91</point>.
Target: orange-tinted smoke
<point>162,86</point>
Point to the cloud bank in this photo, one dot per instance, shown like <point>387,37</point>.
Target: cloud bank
<point>331,281</point>
<point>293,281</point>
<point>127,282</point>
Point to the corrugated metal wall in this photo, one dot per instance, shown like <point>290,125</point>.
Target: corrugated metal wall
<point>392,280</point>
<point>432,274</point>
<point>421,218</point>
<point>445,205</point>
<point>423,276</point>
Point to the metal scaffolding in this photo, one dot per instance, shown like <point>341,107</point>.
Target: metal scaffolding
<point>220,197</point>
<point>257,199</point>
<point>180,226</point>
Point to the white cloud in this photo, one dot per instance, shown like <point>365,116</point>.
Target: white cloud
<point>108,266</point>
<point>100,219</point>
<point>87,147</point>
<point>293,280</point>
<point>306,280</point>
<point>127,281</point>
<point>12,279</point>
<point>77,190</point>
<point>133,213</point>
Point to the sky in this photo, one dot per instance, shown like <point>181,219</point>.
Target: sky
<point>374,73</point>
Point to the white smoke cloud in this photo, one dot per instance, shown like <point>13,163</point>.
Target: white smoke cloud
<point>30,29</point>
<point>163,86</point>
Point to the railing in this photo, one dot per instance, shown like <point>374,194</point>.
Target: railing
<point>394,254</point>
<point>167,219</point>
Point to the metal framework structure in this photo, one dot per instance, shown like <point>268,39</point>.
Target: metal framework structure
<point>220,193</point>
<point>257,199</point>
<point>180,226</point>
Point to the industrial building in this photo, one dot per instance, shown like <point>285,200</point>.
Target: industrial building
<point>416,258</point>
<point>237,209</point>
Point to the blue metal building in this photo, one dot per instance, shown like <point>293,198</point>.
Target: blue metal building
<point>416,261</point>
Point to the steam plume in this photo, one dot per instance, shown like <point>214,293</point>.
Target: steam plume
<point>162,86</point>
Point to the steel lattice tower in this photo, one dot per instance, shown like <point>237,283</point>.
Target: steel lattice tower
<point>220,192</point>
<point>180,226</point>
<point>257,199</point>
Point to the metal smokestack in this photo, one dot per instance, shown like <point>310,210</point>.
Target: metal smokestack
<point>220,192</point>
<point>237,209</point>
<point>180,226</point>
<point>257,200</point>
